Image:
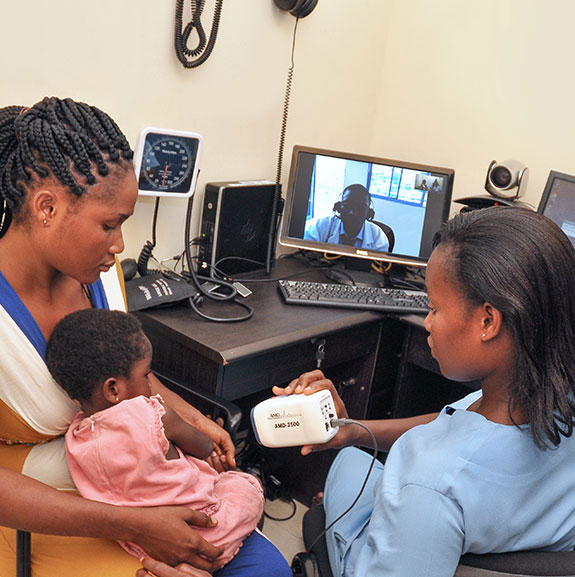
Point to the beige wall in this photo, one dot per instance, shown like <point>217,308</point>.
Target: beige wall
<point>467,82</point>
<point>118,55</point>
<point>456,83</point>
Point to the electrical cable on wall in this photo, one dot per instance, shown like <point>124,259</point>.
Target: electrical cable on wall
<point>197,56</point>
<point>276,212</point>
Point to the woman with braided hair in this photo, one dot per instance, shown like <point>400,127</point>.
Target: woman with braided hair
<point>67,185</point>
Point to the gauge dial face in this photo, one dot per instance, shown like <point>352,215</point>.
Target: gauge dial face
<point>168,163</point>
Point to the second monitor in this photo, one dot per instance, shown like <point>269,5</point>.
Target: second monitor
<point>364,207</point>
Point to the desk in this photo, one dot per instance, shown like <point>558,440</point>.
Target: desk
<point>381,364</point>
<point>278,343</point>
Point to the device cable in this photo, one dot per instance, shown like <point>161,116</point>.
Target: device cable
<point>232,291</point>
<point>293,506</point>
<point>242,259</point>
<point>276,205</point>
<point>251,460</point>
<point>338,423</point>
<point>203,50</point>
<point>248,315</point>
<point>148,248</point>
<point>275,279</point>
<point>197,281</point>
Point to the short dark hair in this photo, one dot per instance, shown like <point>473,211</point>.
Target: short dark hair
<point>89,346</point>
<point>60,138</point>
<point>357,189</point>
<point>524,265</point>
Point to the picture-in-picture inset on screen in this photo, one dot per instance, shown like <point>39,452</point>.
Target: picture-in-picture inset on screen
<point>363,206</point>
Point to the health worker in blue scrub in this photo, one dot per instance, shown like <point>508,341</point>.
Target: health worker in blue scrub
<point>492,472</point>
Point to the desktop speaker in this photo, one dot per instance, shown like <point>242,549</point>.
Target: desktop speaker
<point>235,227</point>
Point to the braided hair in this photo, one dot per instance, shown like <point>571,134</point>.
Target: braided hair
<point>66,139</point>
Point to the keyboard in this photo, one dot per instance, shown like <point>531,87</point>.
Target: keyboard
<point>325,294</point>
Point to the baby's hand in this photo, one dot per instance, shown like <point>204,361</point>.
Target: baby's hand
<point>218,462</point>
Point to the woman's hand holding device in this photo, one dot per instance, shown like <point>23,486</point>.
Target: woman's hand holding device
<point>310,383</point>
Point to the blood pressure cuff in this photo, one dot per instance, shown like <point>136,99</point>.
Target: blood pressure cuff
<point>156,290</point>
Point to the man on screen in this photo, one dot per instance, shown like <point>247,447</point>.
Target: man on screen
<point>350,224</point>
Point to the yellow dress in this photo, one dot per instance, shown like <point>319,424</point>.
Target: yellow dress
<point>34,414</point>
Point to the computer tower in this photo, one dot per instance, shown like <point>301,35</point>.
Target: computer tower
<point>235,225</point>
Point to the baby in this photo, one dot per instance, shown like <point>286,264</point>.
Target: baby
<point>125,447</point>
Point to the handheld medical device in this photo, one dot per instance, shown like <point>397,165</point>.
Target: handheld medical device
<point>293,420</point>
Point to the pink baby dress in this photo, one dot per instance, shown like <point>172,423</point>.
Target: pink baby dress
<point>118,456</point>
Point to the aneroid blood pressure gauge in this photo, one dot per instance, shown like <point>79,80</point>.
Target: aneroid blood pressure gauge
<point>167,162</point>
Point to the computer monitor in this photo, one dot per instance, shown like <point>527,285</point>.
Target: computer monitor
<point>558,202</point>
<point>405,204</point>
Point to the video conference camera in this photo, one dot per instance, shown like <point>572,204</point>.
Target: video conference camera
<point>506,179</point>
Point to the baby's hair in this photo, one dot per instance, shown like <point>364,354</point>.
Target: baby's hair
<point>524,265</point>
<point>89,346</point>
<point>62,138</point>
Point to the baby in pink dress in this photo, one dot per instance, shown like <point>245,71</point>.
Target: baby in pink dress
<point>126,447</point>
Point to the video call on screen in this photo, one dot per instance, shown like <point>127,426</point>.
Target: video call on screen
<point>402,198</point>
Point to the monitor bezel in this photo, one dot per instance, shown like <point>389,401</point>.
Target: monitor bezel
<point>553,176</point>
<point>345,251</point>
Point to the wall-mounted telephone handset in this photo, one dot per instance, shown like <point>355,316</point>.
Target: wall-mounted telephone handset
<point>297,8</point>
<point>193,58</point>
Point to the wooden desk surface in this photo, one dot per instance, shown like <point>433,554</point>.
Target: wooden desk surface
<point>273,325</point>
<point>242,361</point>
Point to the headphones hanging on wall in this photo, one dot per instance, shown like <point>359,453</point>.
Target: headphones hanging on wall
<point>297,8</point>
<point>339,205</point>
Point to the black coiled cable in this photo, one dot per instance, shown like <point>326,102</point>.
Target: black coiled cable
<point>143,259</point>
<point>203,49</point>
<point>148,248</point>
<point>277,192</point>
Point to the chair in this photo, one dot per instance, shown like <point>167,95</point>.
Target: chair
<point>388,231</point>
<point>206,402</point>
<point>315,562</point>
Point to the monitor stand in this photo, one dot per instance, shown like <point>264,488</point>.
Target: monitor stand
<point>359,272</point>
